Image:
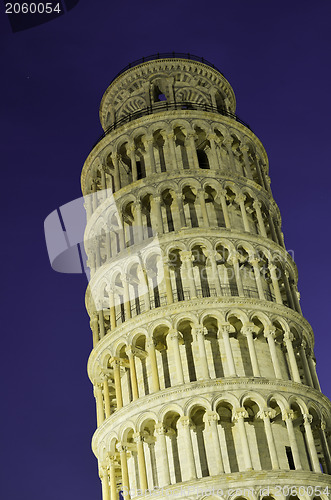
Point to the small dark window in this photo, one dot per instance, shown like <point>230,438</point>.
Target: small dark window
<point>289,457</point>
<point>161,97</point>
<point>203,159</point>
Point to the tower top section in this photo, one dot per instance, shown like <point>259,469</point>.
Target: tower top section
<point>164,81</point>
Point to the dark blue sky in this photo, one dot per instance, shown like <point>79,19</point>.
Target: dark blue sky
<point>276,55</point>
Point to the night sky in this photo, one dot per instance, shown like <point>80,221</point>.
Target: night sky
<point>275,54</point>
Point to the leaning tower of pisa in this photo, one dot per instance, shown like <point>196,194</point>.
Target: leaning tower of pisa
<point>202,363</point>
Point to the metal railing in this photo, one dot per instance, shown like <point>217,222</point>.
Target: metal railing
<point>165,106</point>
<point>166,55</point>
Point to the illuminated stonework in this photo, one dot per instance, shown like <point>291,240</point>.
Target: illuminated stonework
<point>202,366</point>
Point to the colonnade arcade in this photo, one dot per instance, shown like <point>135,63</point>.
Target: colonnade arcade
<point>191,269</point>
<point>189,350</point>
<point>178,146</point>
<point>202,362</point>
<point>176,206</point>
<point>199,438</point>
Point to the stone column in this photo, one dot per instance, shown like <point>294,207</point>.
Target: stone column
<point>112,478</point>
<point>288,290</point>
<point>203,365</point>
<point>274,279</point>
<point>296,297</point>
<point>248,331</point>
<point>138,439</point>
<point>228,144</point>
<point>212,260</point>
<point>312,366</point>
<point>210,419</point>
<point>124,469</point>
<point>222,195</point>
<point>244,149</point>
<point>138,221</point>
<point>106,395</point>
<point>307,420</point>
<point>112,311</point>
<point>126,297</point>
<point>105,483</point>
<point>265,415</point>
<point>156,201</point>
<point>133,374</point>
<point>257,274</point>
<point>288,338</point>
<point>101,324</point>
<point>150,347</point>
<point>95,329</point>
<point>99,402</point>
<point>270,336</point>
<point>117,182</point>
<point>201,196</point>
<point>240,199</point>
<point>211,138</point>
<point>167,279</point>
<point>257,206</point>
<point>192,149</point>
<point>160,431</point>
<point>185,426</point>
<point>303,357</point>
<point>186,258</point>
<point>233,259</point>
<point>174,338</point>
<point>179,201</point>
<point>148,142</point>
<point>239,415</point>
<point>131,152</point>
<point>225,330</point>
<point>172,148</point>
<point>325,445</point>
<point>117,380</point>
<point>288,416</point>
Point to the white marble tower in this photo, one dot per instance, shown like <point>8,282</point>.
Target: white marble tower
<point>202,362</point>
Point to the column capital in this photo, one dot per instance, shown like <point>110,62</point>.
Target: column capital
<point>307,418</point>
<point>121,448</point>
<point>226,328</point>
<point>287,414</point>
<point>130,351</point>
<point>185,422</point>
<point>239,413</point>
<point>211,136</point>
<point>211,416</point>
<point>240,198</point>
<point>186,256</point>
<point>227,141</point>
<point>257,204</point>
<point>103,471</point>
<point>266,413</point>
<point>249,328</point>
<point>138,437</point>
<point>288,336</point>
<point>244,148</point>
<point>160,429</point>
<point>175,335</point>
<point>270,332</point>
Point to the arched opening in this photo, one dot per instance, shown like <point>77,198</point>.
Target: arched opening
<point>228,440</point>
<point>175,269</point>
<point>203,159</point>
<point>215,362</point>
<point>188,350</point>
<point>200,446</point>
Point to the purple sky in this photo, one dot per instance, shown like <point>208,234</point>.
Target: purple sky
<point>276,56</point>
